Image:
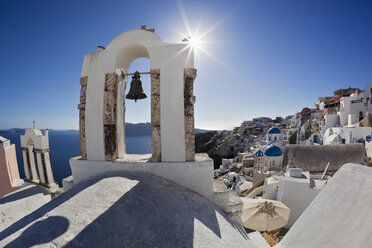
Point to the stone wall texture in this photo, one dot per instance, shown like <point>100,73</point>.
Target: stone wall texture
<point>367,121</point>
<point>189,101</point>
<point>109,116</point>
<point>315,158</point>
<point>81,107</point>
<point>155,115</point>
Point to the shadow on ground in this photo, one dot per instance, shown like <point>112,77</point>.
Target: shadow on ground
<point>154,212</point>
<point>41,232</point>
<point>21,194</point>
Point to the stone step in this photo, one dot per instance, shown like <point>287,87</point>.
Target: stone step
<point>220,195</point>
<point>227,200</point>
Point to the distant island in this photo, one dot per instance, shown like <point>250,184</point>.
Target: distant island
<point>131,129</point>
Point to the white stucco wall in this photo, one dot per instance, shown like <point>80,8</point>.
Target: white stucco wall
<point>39,140</point>
<point>273,163</point>
<point>353,119</point>
<point>352,105</point>
<point>347,106</point>
<point>171,58</point>
<point>273,137</point>
<point>271,187</point>
<point>197,176</point>
<point>350,134</point>
<point>296,194</point>
<point>340,216</point>
<point>368,146</point>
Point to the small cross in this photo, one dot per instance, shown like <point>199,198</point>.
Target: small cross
<point>34,122</point>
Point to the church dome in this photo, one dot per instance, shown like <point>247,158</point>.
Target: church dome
<point>274,130</point>
<point>273,151</point>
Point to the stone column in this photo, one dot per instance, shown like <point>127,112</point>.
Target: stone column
<point>120,115</point>
<point>40,166</point>
<point>155,115</point>
<point>35,177</point>
<point>48,167</point>
<point>189,101</point>
<point>26,165</point>
<point>109,116</point>
<point>81,107</point>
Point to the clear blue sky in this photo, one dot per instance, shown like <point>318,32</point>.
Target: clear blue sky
<point>266,58</point>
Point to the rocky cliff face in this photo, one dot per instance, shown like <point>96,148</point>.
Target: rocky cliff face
<point>207,143</point>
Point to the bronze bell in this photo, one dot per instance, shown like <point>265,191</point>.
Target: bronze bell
<point>136,90</point>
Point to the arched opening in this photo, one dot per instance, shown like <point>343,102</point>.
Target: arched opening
<point>138,114</point>
<point>133,139</point>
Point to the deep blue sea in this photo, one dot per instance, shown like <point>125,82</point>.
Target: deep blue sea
<point>66,144</point>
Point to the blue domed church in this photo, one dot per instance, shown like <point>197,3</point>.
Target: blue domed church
<point>274,135</point>
<point>273,158</point>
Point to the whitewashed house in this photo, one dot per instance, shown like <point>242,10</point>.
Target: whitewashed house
<point>346,135</point>
<point>296,189</point>
<point>329,121</point>
<point>355,107</point>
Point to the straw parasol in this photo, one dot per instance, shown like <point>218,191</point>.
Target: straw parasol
<point>263,214</point>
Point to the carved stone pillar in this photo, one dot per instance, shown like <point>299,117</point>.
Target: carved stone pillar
<point>81,107</point>
<point>155,115</point>
<point>26,164</point>
<point>109,116</point>
<point>189,101</point>
<point>40,166</point>
<point>48,167</point>
<point>124,88</point>
<point>31,160</point>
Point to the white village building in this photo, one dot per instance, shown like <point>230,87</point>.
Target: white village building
<point>346,135</point>
<point>356,106</point>
<point>296,189</point>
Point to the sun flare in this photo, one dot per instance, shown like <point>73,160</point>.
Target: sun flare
<point>193,41</point>
<point>198,38</point>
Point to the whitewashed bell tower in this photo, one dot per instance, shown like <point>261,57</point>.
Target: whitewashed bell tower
<point>36,158</point>
<point>102,111</point>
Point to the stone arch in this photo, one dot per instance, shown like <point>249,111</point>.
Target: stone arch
<point>129,53</point>
<point>125,57</point>
<point>30,142</point>
<point>114,104</point>
<point>101,80</point>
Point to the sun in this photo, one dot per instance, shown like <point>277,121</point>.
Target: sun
<point>199,39</point>
<point>194,41</point>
